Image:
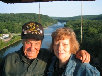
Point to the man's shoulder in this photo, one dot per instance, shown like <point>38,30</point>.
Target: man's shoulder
<point>16,53</point>
<point>12,55</point>
<point>44,53</point>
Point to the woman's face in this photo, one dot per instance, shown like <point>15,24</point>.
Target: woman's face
<point>62,49</point>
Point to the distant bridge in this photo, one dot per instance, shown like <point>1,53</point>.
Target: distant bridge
<point>47,34</point>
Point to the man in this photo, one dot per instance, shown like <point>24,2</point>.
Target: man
<point>31,60</point>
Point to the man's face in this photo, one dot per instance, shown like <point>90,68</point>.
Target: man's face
<point>62,49</point>
<point>31,48</point>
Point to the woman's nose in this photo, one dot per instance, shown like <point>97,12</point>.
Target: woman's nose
<point>60,47</point>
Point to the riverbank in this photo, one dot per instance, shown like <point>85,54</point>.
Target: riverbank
<point>10,42</point>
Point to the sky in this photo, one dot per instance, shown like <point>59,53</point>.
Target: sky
<point>55,8</point>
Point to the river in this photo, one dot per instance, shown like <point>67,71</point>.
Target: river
<point>45,44</point>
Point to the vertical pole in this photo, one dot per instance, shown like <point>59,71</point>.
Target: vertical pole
<point>39,12</point>
<point>81,24</point>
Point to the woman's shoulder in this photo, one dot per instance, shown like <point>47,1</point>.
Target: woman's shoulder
<point>82,68</point>
<point>87,69</point>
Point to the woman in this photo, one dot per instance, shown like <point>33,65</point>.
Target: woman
<point>64,63</point>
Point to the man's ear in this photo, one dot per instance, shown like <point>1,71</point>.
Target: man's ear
<point>23,42</point>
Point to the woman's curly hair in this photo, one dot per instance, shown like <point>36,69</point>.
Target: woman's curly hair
<point>66,32</point>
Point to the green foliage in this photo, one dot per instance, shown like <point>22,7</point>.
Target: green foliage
<point>5,31</point>
<point>0,34</point>
<point>13,22</point>
<point>86,17</point>
<point>92,35</point>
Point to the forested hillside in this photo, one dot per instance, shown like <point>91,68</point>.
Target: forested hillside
<point>88,17</point>
<point>13,22</point>
<point>92,37</point>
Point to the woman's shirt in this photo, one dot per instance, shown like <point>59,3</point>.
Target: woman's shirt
<point>58,71</point>
<point>74,67</point>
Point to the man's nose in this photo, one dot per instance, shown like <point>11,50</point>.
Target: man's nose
<point>32,47</point>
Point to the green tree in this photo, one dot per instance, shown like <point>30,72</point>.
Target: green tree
<point>5,31</point>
